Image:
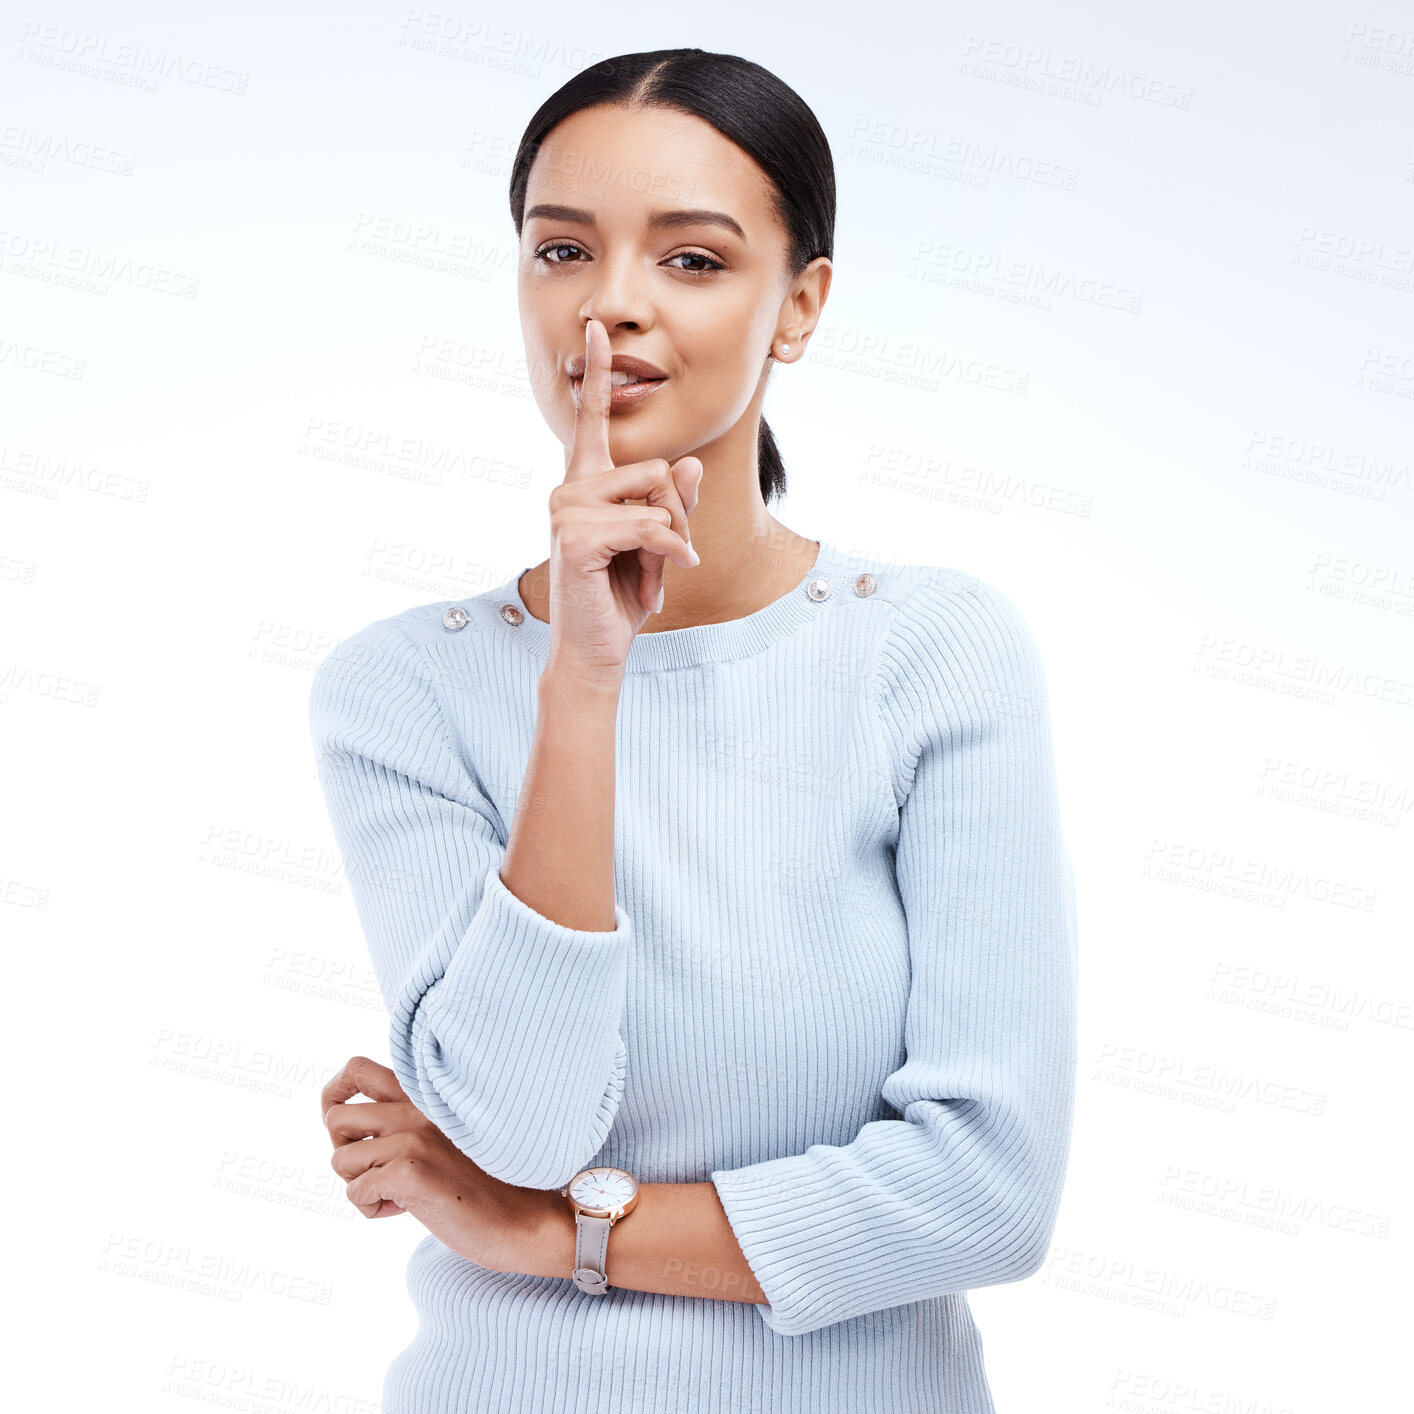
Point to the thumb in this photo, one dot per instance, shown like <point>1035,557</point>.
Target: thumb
<point>687,476</point>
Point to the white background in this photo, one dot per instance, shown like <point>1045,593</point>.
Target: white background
<point>1122,321</point>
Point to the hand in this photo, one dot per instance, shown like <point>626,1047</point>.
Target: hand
<point>396,1160</point>
<point>606,557</point>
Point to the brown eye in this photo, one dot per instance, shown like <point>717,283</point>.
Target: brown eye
<point>544,252</point>
<point>710,265</point>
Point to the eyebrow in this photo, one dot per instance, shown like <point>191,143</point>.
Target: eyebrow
<point>659,218</point>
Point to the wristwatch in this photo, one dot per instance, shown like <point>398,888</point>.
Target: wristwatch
<point>599,1198</point>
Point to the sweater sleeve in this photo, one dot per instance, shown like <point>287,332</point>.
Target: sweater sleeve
<point>961,1191</point>
<point>505,1025</point>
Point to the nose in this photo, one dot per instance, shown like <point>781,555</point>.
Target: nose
<point>618,299</point>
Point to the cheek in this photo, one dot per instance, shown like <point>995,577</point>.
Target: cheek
<point>723,381</point>
<point>723,348</point>
<point>539,323</point>
<point>542,368</point>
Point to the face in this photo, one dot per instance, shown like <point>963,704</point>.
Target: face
<point>702,300</point>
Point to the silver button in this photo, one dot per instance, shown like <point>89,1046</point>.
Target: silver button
<point>454,618</point>
<point>818,589</point>
<point>511,614</point>
<point>865,585</point>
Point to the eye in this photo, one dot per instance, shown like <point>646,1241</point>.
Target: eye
<point>711,263</point>
<point>549,254</point>
<point>544,252</point>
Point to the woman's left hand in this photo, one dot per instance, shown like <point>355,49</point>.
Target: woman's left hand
<point>396,1160</point>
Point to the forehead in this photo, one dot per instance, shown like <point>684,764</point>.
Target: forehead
<point>623,163</point>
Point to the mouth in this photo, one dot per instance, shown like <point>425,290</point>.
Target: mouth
<point>625,389</point>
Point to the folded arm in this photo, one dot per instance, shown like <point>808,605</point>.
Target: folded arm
<point>963,1190</point>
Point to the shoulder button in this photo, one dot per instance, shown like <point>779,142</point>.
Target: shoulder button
<point>818,589</point>
<point>454,618</point>
<point>511,614</point>
<point>865,585</point>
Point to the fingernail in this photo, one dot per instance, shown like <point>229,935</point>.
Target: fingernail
<point>658,607</point>
<point>696,558</point>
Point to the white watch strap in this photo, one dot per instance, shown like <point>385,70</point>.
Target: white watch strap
<point>591,1248</point>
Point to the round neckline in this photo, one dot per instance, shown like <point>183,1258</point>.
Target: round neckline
<point>702,643</point>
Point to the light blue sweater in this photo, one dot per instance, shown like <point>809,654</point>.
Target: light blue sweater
<point>842,984</point>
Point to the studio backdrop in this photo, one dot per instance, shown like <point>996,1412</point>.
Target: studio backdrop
<point>1122,322</point>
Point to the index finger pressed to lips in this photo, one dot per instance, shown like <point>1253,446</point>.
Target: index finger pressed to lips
<point>589,449</point>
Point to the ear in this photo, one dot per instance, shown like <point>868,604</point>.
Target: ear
<point>800,310</point>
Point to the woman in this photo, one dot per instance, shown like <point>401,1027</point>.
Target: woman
<point>759,913</point>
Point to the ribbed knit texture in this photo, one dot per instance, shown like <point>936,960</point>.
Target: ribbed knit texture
<point>842,985</point>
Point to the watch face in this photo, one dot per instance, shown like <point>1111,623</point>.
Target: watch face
<point>605,1190</point>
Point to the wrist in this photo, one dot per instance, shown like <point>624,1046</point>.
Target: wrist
<point>543,1245</point>
<point>578,688</point>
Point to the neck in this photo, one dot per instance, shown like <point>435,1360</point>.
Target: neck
<point>748,560</point>
<point>737,576</point>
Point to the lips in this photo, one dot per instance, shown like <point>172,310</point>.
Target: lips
<point>621,396</point>
<point>631,379</point>
<point>620,363</point>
